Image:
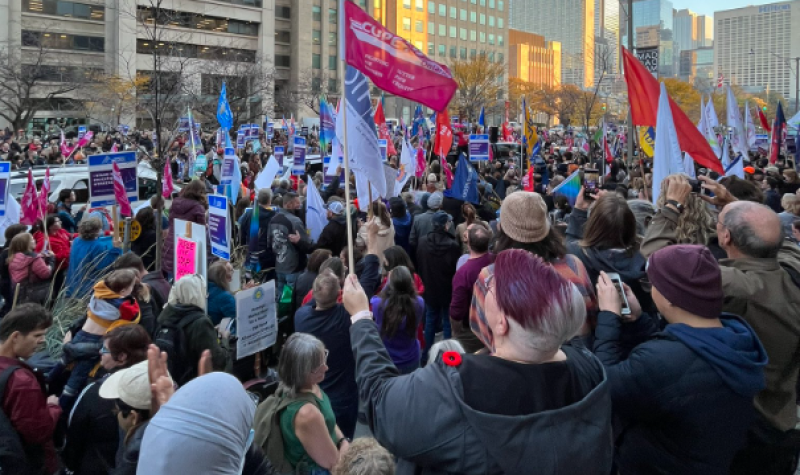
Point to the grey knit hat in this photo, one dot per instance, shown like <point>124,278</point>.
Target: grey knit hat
<point>523,217</point>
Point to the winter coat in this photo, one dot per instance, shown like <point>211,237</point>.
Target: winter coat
<point>221,304</point>
<point>683,397</point>
<point>334,235</point>
<point>259,248</point>
<point>145,247</point>
<point>60,244</point>
<point>402,231</point>
<point>290,258</point>
<point>200,336</point>
<point>420,228</point>
<point>30,267</point>
<point>460,440</point>
<point>128,457</point>
<point>187,210</point>
<point>89,261</point>
<point>385,238</point>
<point>437,255</point>
<point>92,434</point>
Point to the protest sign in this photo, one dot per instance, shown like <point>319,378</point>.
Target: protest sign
<point>383,144</point>
<point>185,257</point>
<point>278,153</point>
<point>256,319</point>
<point>197,233</point>
<point>240,139</point>
<point>5,175</point>
<point>299,157</point>
<point>228,166</point>
<point>81,131</point>
<point>183,124</point>
<point>101,178</point>
<point>200,165</point>
<point>304,131</point>
<point>270,130</point>
<point>478,147</point>
<point>219,226</point>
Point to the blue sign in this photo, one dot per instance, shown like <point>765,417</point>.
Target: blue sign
<point>299,163</point>
<point>219,226</point>
<point>101,177</point>
<point>478,147</point>
<point>81,131</point>
<point>5,176</point>
<point>384,146</point>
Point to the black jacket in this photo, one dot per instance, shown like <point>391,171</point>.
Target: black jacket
<point>261,250</point>
<point>92,434</point>
<point>334,235</point>
<point>128,455</point>
<point>437,256</point>
<point>683,398</point>
<point>145,247</point>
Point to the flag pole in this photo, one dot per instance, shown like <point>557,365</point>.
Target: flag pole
<point>346,158</point>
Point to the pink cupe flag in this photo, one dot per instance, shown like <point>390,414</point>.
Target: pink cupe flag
<point>119,192</point>
<point>86,139</point>
<point>166,181</point>
<point>420,162</point>
<point>30,203</point>
<point>448,174</point>
<point>44,193</point>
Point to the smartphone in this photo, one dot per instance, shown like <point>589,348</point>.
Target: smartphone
<point>697,188</point>
<point>615,278</point>
<point>591,182</point>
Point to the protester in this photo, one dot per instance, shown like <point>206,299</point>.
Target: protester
<point>290,242</point>
<point>92,434</point>
<point>772,196</point>
<point>478,239</point>
<point>221,303</point>
<point>90,258</point>
<point>385,237</point>
<point>437,255</point>
<point>31,414</point>
<point>57,241</point>
<point>191,205</point>
<point>69,220</point>
<point>145,244</point>
<point>6,285</point>
<point>791,213</point>
<point>185,316</point>
<point>484,413</point>
<point>398,312</point>
<point>470,217</point>
<point>714,356</point>
<point>254,234</point>
<point>25,266</point>
<point>305,281</point>
<point>334,234</point>
<point>423,223</point>
<point>365,456</point>
<point>402,222</point>
<point>312,441</point>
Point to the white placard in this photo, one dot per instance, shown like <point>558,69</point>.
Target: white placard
<point>199,235</point>
<point>256,319</point>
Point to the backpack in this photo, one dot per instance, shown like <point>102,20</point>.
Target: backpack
<point>13,460</point>
<point>267,425</point>
<point>171,339</point>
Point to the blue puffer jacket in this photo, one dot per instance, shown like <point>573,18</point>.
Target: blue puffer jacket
<point>683,398</point>
<point>89,261</point>
<point>221,303</point>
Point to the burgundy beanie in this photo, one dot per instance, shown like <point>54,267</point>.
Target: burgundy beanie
<point>689,277</point>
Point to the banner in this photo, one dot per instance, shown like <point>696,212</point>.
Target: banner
<point>101,177</point>
<point>256,319</point>
<point>478,147</point>
<point>392,63</point>
<point>185,257</point>
<point>649,59</point>
<point>299,157</point>
<point>219,226</point>
<point>5,176</point>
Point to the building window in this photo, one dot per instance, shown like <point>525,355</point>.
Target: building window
<point>432,7</point>
<point>491,39</point>
<point>453,13</point>
<point>65,9</point>
<point>491,21</point>
<point>406,23</point>
<point>442,9</point>
<point>473,35</point>
<point>332,38</point>
<point>333,85</point>
<point>462,33</point>
<point>482,20</point>
<point>420,4</point>
<point>442,30</point>
<point>499,22</point>
<point>316,13</point>
<point>473,54</point>
<point>482,3</point>
<point>283,12</point>
<point>453,32</point>
<point>491,56</point>
<point>500,40</point>
<point>462,53</point>
<point>474,2</point>
<point>482,37</point>
<point>431,49</point>
<point>431,28</point>
<point>491,4</point>
<point>442,50</point>
<point>283,36</point>
<point>283,61</point>
<point>499,57</point>
<point>500,5</point>
<point>407,4</point>
<point>452,51</point>
<point>316,37</point>
<point>332,16</point>
<point>63,41</point>
<point>418,45</point>
<point>462,15</point>
<point>316,61</point>
<point>473,17</point>
<point>316,84</point>
<point>332,63</point>
<point>362,4</point>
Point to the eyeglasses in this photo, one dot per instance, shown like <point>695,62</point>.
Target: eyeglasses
<point>324,361</point>
<point>105,351</point>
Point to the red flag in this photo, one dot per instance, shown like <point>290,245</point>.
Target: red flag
<point>420,171</point>
<point>119,192</point>
<point>394,64</point>
<point>383,129</point>
<point>444,134</point>
<point>643,94</point>
<point>508,135</point>
<point>530,182</point>
<point>166,181</point>
<point>764,123</point>
<point>85,140</point>
<point>30,203</point>
<point>44,193</point>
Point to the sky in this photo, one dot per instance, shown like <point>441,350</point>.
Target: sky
<point>708,7</point>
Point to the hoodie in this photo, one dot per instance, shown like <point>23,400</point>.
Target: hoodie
<point>437,256</point>
<point>402,231</point>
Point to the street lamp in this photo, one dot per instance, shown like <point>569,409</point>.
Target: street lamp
<point>796,73</point>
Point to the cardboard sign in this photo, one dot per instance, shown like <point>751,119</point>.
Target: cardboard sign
<point>478,147</point>
<point>101,179</point>
<point>256,319</point>
<point>219,226</point>
<point>299,162</point>
<point>185,258</point>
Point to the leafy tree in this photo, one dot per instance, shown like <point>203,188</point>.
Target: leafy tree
<point>480,84</point>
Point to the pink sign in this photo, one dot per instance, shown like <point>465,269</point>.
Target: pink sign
<point>394,64</point>
<point>185,258</point>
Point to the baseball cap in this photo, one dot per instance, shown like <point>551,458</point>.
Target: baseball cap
<point>336,207</point>
<point>130,385</point>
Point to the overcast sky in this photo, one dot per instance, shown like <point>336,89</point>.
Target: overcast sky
<point>708,7</point>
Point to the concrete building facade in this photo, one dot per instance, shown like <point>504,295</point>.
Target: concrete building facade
<point>534,60</point>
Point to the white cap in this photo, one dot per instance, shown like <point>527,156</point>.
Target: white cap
<point>130,385</point>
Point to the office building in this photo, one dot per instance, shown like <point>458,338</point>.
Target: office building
<point>692,31</point>
<point>653,26</point>
<point>534,60</point>
<point>753,46</point>
<point>571,23</point>
<point>697,67</point>
<point>606,31</point>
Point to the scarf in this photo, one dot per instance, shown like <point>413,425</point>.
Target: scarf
<point>110,310</point>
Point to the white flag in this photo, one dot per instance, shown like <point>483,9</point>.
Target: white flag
<point>316,215</point>
<point>726,156</point>
<point>712,122</point>
<point>667,152</point>
<point>738,137</point>
<point>408,166</point>
<point>688,166</point>
<point>268,174</point>
<point>363,192</point>
<point>749,126</point>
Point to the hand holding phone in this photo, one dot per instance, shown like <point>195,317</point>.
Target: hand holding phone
<point>591,182</point>
<point>616,280</point>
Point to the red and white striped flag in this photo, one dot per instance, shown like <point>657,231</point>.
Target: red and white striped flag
<point>119,192</point>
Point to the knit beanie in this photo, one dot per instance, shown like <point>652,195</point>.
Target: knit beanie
<point>523,217</point>
<point>435,200</point>
<point>689,277</point>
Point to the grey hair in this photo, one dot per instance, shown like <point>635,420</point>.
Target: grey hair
<point>442,346</point>
<point>365,457</point>
<point>264,196</point>
<point>562,321</point>
<point>301,355</point>
<point>326,289</point>
<point>90,228</point>
<point>745,238</point>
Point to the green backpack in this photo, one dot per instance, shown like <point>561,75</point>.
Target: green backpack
<point>267,425</point>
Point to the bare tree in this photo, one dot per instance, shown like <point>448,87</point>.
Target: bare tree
<point>587,102</point>
<point>479,85</point>
<point>306,92</point>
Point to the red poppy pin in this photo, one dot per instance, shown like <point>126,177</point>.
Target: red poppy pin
<point>451,358</point>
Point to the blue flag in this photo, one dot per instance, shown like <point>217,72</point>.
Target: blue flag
<point>481,121</point>
<point>224,115</point>
<point>465,183</point>
<point>417,122</point>
<point>326,126</point>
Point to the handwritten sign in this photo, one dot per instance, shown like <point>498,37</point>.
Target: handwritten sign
<point>256,319</point>
<point>185,258</point>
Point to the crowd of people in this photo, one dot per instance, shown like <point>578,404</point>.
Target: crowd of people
<point>519,333</point>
